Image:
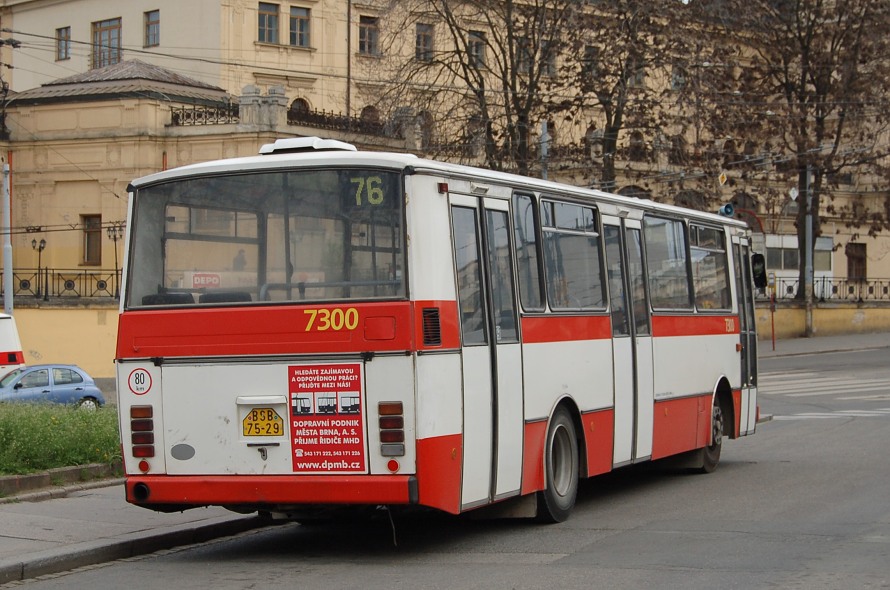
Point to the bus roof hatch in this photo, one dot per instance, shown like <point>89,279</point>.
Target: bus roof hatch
<point>305,144</point>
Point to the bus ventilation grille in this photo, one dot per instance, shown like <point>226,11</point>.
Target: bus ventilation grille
<point>432,329</point>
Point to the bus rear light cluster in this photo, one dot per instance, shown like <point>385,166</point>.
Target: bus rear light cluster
<point>392,429</point>
<point>142,435</point>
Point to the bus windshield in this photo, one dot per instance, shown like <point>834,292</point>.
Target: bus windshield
<point>267,236</point>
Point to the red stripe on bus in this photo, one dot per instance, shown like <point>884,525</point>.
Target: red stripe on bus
<point>266,330</point>
<point>271,489</point>
<point>681,425</point>
<point>599,437</point>
<point>697,325</point>
<point>560,328</point>
<point>439,461</point>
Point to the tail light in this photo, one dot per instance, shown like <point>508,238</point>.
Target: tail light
<point>142,434</point>
<point>391,420</point>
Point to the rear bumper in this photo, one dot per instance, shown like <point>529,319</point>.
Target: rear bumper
<point>230,490</point>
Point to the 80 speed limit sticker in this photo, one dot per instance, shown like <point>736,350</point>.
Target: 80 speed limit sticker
<point>139,381</point>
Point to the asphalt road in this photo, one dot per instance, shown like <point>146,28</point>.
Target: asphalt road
<point>801,505</point>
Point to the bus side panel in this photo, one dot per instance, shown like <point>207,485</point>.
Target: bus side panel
<point>737,412</point>
<point>691,365</point>
<point>566,356</point>
<point>599,437</point>
<point>439,427</point>
<point>533,456</point>
<point>680,425</point>
<point>691,355</point>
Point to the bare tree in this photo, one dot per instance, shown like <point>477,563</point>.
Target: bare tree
<point>810,81</point>
<point>483,74</point>
<point>618,68</point>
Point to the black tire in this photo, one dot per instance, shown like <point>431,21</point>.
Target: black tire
<point>556,500</point>
<point>711,453</point>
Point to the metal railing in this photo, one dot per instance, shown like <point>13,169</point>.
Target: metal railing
<point>204,115</point>
<point>336,122</point>
<point>834,289</point>
<point>66,283</point>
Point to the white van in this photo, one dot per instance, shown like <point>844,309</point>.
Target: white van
<point>11,355</point>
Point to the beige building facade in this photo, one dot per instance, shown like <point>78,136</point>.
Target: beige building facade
<point>176,93</point>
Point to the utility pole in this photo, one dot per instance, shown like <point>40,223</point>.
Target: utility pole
<point>808,254</point>
<point>7,244</point>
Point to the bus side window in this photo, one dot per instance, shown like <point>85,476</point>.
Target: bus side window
<point>526,244</point>
<point>666,262</point>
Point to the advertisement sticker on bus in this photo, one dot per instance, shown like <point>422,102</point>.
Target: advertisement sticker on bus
<point>326,418</point>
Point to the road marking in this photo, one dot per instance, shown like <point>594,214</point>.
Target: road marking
<point>837,414</point>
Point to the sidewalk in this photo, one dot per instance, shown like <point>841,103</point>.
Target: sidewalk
<point>820,344</point>
<point>64,528</point>
<point>42,533</point>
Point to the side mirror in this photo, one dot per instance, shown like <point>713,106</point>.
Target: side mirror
<point>18,385</point>
<point>758,269</point>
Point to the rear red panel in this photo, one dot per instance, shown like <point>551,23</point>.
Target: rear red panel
<point>284,330</point>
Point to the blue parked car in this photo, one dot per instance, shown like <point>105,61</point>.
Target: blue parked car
<point>59,384</point>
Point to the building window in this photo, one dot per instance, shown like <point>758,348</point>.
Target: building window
<point>548,58</point>
<point>678,77</point>
<point>423,47</point>
<point>368,35</point>
<point>152,28</point>
<point>267,23</point>
<point>92,239</point>
<point>63,43</point>
<point>299,27</point>
<point>523,55</point>
<point>590,67</point>
<point>637,151</point>
<point>106,43</point>
<point>476,49</point>
<point>636,74</point>
<point>856,262</point>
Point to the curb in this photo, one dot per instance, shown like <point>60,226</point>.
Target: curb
<point>54,481</point>
<point>69,557</point>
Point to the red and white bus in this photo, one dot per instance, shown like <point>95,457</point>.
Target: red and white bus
<point>319,327</point>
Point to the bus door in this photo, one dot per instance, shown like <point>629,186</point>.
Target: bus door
<point>631,342</point>
<point>748,336</point>
<point>491,354</point>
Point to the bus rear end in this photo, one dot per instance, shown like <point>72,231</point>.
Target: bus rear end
<point>263,351</point>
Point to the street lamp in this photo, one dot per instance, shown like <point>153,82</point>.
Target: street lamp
<point>39,246</point>
<point>115,232</point>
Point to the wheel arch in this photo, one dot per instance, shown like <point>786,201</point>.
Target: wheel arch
<point>572,407</point>
<point>723,396</point>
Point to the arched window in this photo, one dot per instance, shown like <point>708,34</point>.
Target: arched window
<point>298,110</point>
<point>677,155</point>
<point>370,114</point>
<point>743,200</point>
<point>593,138</point>
<point>691,200</point>
<point>730,153</point>
<point>635,192</point>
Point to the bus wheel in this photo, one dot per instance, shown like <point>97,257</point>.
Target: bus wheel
<point>556,501</point>
<point>711,454</point>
